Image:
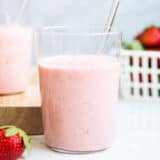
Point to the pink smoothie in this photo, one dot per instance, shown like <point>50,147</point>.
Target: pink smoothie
<point>79,96</point>
<point>15,58</point>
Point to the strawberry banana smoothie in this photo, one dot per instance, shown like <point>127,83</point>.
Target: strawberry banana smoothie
<point>15,58</point>
<point>79,95</point>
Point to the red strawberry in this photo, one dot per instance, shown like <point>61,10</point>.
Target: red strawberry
<point>13,142</point>
<point>150,38</point>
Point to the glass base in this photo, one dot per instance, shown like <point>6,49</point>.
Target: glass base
<point>76,152</point>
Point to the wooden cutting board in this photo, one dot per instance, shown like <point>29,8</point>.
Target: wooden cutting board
<point>23,109</point>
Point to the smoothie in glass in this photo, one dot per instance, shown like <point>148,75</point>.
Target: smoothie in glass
<point>15,58</point>
<point>79,100</point>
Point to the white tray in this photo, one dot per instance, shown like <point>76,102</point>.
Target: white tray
<point>140,74</point>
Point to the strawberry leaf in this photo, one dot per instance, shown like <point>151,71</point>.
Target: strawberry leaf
<point>6,126</point>
<point>134,45</point>
<point>26,139</point>
<point>11,132</point>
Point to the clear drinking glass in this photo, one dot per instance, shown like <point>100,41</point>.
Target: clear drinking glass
<point>15,48</point>
<point>79,75</point>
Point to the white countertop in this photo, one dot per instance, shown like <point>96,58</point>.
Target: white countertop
<point>138,137</point>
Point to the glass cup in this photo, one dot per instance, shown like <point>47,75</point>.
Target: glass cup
<point>15,48</point>
<point>15,58</point>
<point>79,75</point>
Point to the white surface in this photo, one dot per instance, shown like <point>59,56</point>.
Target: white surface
<point>138,137</point>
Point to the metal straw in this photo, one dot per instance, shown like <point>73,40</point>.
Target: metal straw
<point>21,11</point>
<point>110,21</point>
<point>112,14</point>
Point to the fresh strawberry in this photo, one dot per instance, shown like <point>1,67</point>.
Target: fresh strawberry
<point>13,142</point>
<point>150,38</point>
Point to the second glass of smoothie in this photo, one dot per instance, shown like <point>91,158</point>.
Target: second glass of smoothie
<point>79,74</point>
<point>15,58</point>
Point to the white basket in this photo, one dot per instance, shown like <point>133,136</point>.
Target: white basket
<point>140,75</point>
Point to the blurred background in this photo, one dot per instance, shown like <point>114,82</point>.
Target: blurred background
<point>133,16</point>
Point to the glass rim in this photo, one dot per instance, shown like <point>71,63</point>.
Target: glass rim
<point>52,29</point>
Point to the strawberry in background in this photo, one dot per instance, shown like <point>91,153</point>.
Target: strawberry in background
<point>150,38</point>
<point>13,142</point>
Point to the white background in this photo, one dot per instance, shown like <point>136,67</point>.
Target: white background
<point>133,15</point>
